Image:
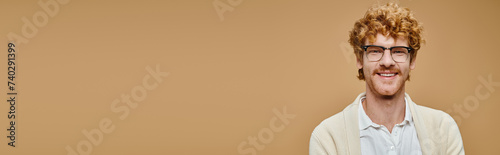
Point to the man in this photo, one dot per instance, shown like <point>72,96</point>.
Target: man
<point>384,119</point>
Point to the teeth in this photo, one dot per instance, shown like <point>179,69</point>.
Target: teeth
<point>388,74</point>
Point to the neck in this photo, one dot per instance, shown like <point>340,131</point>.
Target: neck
<point>385,110</point>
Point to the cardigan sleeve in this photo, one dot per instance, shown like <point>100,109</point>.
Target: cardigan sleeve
<point>455,144</point>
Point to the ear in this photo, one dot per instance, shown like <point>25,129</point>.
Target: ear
<point>359,64</point>
<point>413,63</point>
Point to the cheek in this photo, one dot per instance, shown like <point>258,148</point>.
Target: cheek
<point>368,67</point>
<point>404,68</point>
<point>368,70</point>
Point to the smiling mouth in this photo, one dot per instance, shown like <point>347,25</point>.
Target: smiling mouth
<point>387,74</point>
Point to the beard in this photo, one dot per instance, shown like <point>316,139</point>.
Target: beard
<point>386,82</point>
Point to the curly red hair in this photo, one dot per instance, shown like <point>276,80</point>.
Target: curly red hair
<point>391,20</point>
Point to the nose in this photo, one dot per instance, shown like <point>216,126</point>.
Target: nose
<point>387,60</point>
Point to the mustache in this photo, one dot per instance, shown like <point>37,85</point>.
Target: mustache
<point>384,70</point>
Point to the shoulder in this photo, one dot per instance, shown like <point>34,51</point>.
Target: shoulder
<point>336,122</point>
<point>432,116</point>
<point>426,111</point>
<point>337,133</point>
<point>428,115</point>
<point>332,123</point>
<point>334,126</point>
<point>330,136</point>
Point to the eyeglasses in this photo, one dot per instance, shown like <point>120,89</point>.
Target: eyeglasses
<point>398,53</point>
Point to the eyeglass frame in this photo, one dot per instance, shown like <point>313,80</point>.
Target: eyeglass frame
<point>365,47</point>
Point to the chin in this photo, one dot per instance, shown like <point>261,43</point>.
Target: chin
<point>387,93</point>
<point>385,90</point>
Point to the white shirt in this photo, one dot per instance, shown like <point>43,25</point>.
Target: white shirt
<point>376,139</point>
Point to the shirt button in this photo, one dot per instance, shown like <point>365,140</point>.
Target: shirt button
<point>392,147</point>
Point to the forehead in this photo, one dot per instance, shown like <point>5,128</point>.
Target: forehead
<point>387,41</point>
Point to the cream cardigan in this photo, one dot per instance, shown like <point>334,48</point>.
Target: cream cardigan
<point>437,132</point>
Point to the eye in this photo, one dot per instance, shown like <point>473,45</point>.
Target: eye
<point>399,52</point>
<point>375,50</point>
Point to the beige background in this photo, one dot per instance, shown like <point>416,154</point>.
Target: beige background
<point>227,76</point>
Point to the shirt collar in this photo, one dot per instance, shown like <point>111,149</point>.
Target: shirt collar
<point>408,117</point>
<point>365,121</point>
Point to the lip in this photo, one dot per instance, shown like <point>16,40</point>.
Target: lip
<point>379,74</point>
